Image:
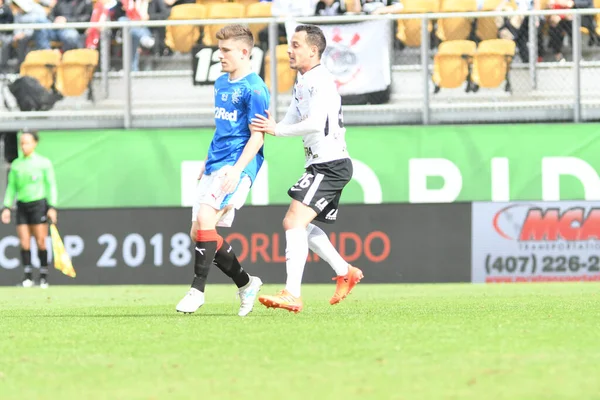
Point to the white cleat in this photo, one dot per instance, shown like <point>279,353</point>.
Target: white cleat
<point>248,295</point>
<point>27,283</point>
<point>191,302</point>
<point>44,284</point>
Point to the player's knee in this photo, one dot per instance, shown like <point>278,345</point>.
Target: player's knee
<point>206,217</point>
<point>25,244</point>
<point>41,243</point>
<point>289,222</point>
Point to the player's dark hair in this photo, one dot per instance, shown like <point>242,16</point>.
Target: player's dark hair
<point>34,134</point>
<point>314,37</point>
<point>237,32</point>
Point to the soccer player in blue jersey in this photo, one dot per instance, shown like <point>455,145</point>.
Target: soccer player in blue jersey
<point>234,158</point>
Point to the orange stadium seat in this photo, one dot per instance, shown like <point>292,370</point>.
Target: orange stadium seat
<point>257,10</point>
<point>456,28</point>
<point>183,37</point>
<point>452,64</point>
<point>41,65</point>
<point>76,71</point>
<point>409,30</point>
<point>218,11</point>
<point>285,75</point>
<point>491,63</point>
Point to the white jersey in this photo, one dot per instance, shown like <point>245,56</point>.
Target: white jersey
<point>315,113</point>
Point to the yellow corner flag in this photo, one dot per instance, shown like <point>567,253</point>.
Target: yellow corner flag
<point>62,261</point>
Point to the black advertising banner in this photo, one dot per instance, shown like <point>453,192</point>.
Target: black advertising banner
<point>392,243</point>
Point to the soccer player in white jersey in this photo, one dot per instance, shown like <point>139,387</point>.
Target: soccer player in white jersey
<point>315,113</point>
<point>234,158</point>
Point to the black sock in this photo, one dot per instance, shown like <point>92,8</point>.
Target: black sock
<point>26,260</point>
<point>227,262</point>
<point>43,256</point>
<point>204,254</point>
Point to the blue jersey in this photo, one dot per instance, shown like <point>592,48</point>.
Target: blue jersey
<point>236,103</point>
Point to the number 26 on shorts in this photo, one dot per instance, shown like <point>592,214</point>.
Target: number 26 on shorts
<point>304,182</point>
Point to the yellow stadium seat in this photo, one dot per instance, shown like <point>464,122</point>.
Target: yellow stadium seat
<point>246,3</point>
<point>76,71</point>
<point>218,11</point>
<point>182,38</point>
<point>409,30</point>
<point>41,65</point>
<point>285,75</point>
<point>456,28</point>
<point>207,2</point>
<point>491,63</point>
<point>452,64</point>
<point>257,10</point>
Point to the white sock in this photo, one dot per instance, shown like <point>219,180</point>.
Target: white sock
<point>296,252</point>
<point>320,244</point>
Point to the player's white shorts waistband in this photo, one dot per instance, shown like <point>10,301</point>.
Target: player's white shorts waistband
<point>208,191</point>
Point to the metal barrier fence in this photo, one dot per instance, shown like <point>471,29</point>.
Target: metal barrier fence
<point>560,89</point>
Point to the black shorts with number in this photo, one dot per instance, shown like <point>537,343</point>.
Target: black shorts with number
<point>32,213</point>
<point>320,187</point>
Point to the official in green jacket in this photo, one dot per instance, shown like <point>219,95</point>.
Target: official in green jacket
<point>31,179</point>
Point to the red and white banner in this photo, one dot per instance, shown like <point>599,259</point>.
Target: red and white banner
<point>359,56</point>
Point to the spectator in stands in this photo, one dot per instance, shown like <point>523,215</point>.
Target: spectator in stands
<point>376,7</point>
<point>522,36</point>
<point>6,17</point>
<point>141,37</point>
<point>67,11</point>
<point>158,11</point>
<point>173,3</point>
<point>290,9</point>
<point>26,12</point>
<point>330,8</point>
<point>589,21</point>
<point>559,27</point>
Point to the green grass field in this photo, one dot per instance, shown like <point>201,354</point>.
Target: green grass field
<point>529,341</point>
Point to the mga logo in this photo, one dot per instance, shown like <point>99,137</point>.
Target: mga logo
<point>529,223</point>
<point>221,113</point>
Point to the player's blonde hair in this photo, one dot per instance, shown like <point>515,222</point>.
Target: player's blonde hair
<point>237,32</point>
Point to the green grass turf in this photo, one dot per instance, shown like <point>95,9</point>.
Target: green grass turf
<point>524,341</point>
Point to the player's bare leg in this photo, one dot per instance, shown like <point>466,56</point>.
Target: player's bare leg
<point>40,232</point>
<point>25,240</point>
<point>347,275</point>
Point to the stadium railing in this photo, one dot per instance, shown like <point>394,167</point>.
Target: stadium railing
<point>539,91</point>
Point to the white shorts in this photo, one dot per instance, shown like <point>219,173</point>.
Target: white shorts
<point>208,191</point>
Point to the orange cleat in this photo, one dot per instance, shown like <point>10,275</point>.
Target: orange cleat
<point>282,299</point>
<point>345,284</point>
